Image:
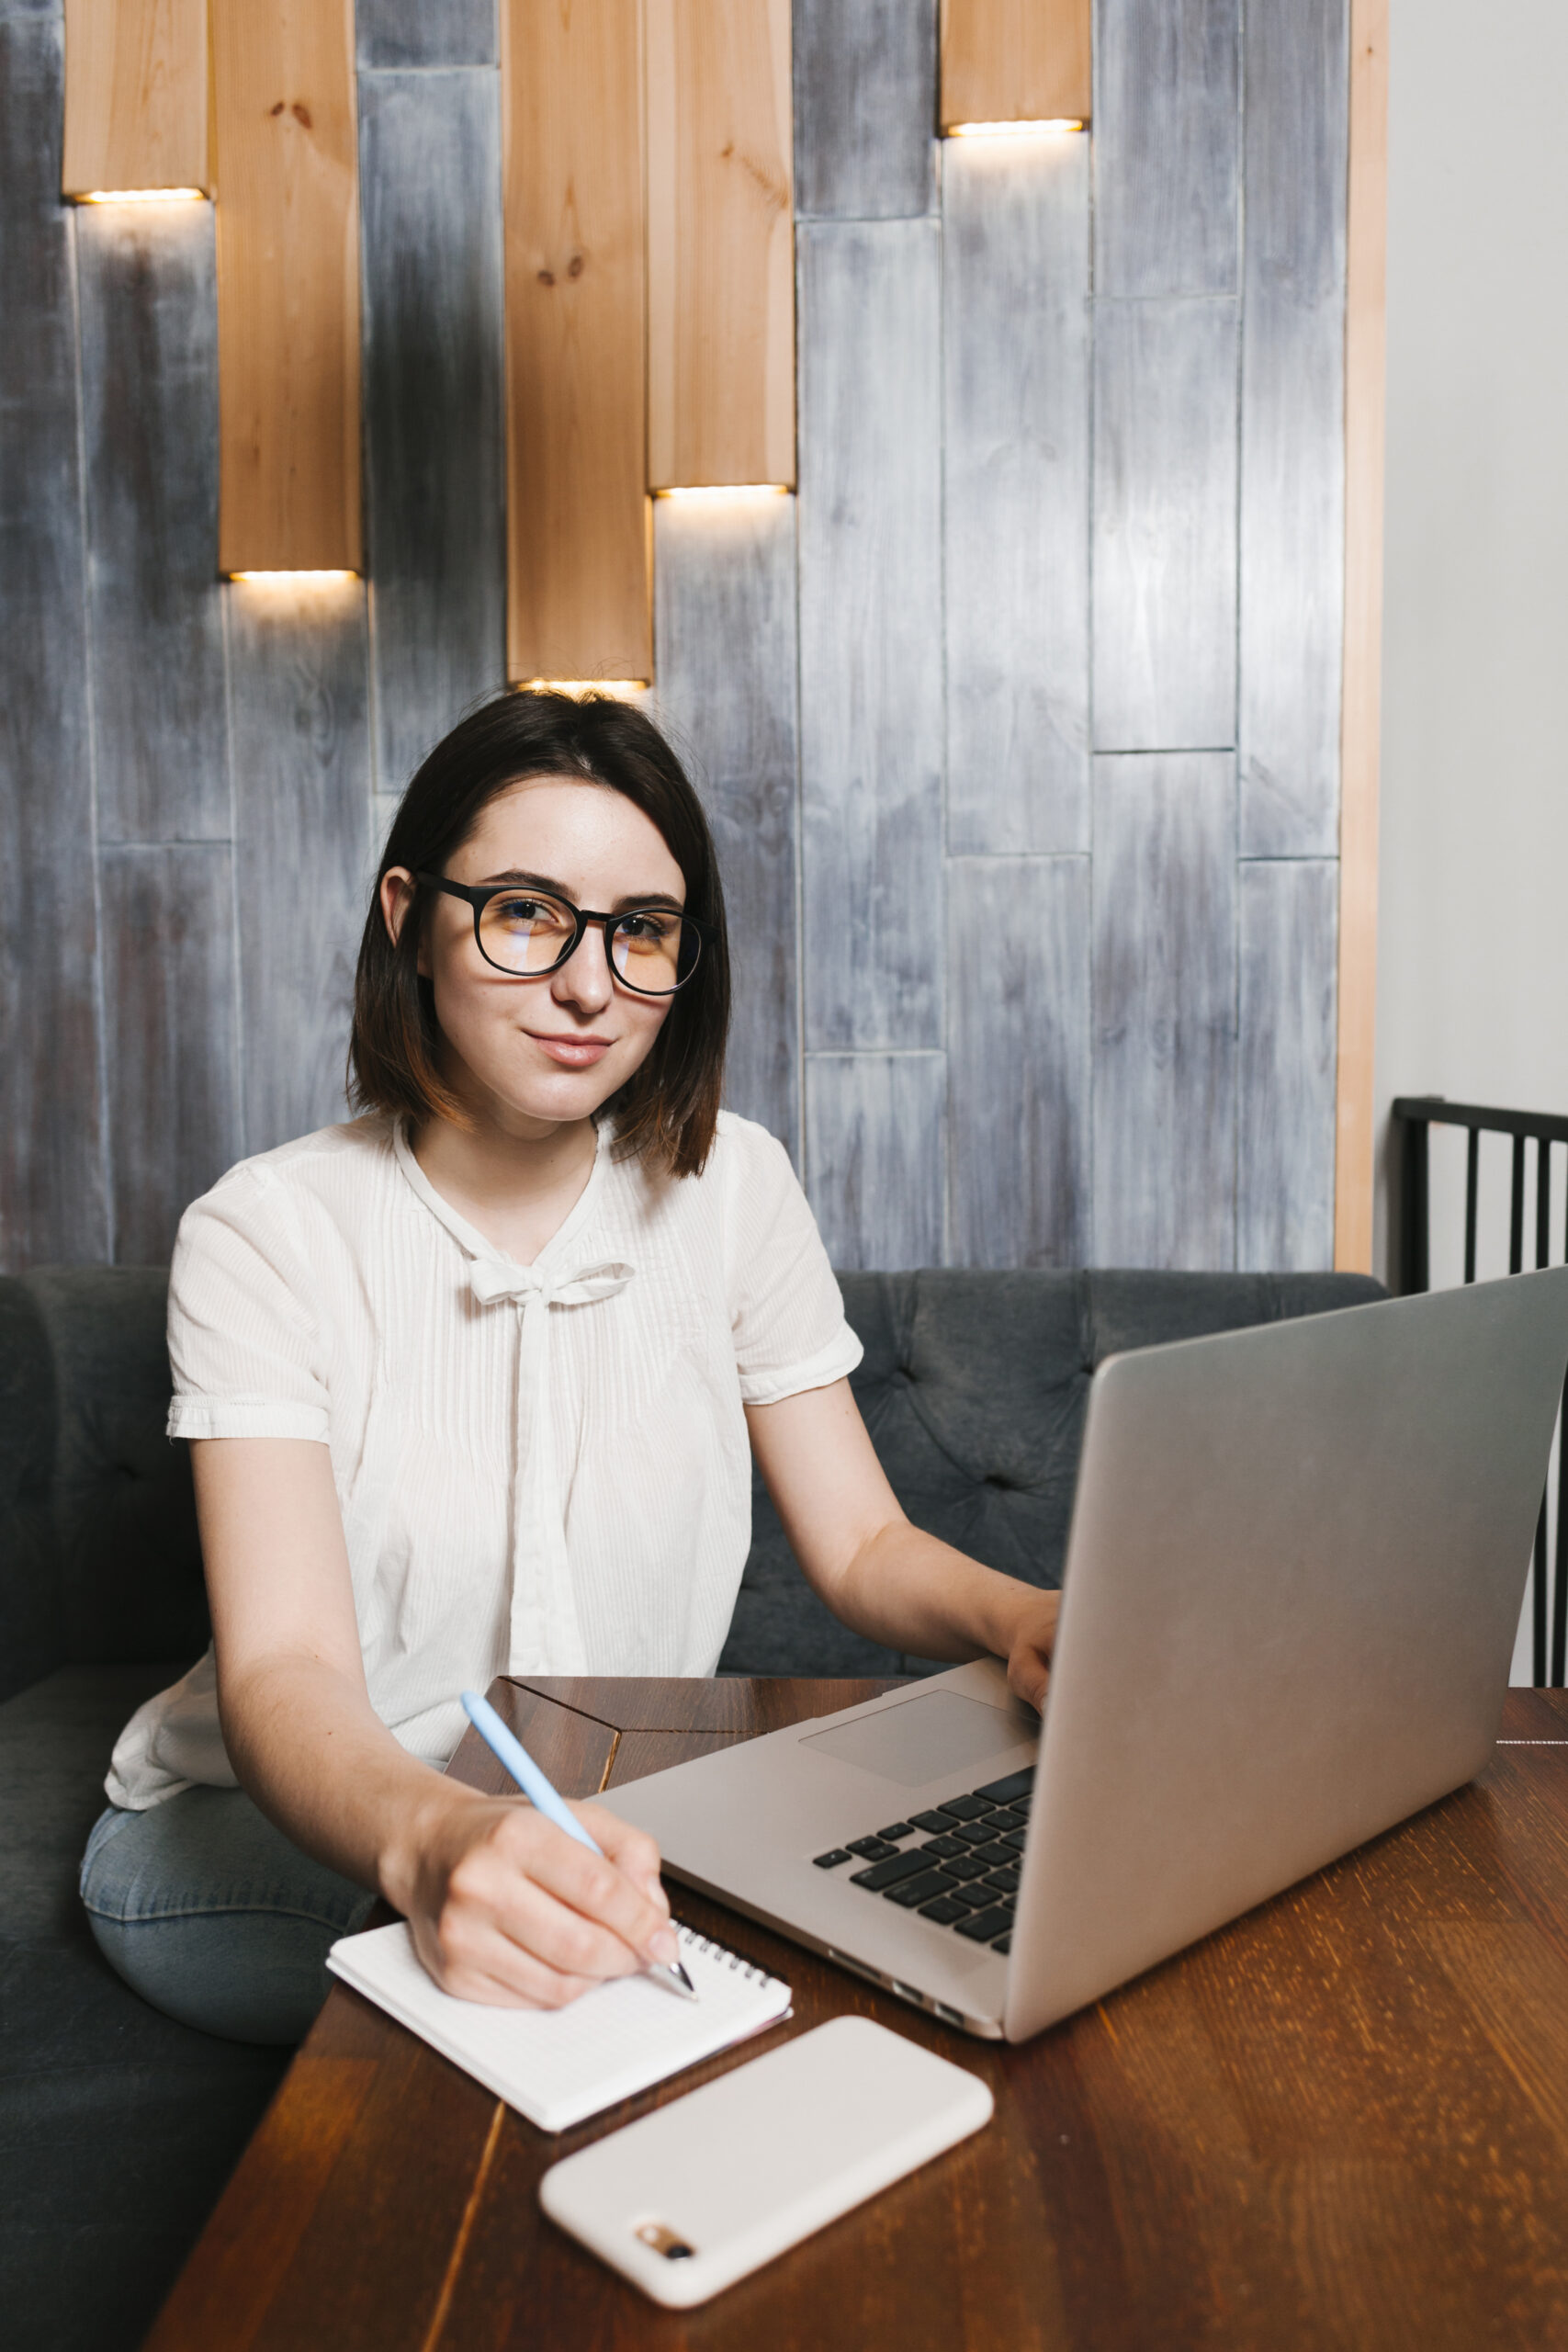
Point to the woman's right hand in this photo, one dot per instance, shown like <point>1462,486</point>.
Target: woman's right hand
<point>506,1908</point>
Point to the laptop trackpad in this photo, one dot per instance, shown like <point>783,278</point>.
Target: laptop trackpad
<point>922,1739</point>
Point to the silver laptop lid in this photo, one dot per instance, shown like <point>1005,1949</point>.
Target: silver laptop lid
<point>1293,1580</point>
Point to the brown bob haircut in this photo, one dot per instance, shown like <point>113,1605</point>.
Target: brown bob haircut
<point>667,1110</point>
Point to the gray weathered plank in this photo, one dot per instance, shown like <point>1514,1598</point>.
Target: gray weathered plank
<point>869,524</point>
<point>148,288</point>
<point>864,107</point>
<point>1165,1010</point>
<point>52,1195</point>
<point>169,1002</point>
<point>298,687</point>
<point>1292,469</point>
<point>1015,342</point>
<point>724,665</point>
<point>426,32</point>
<point>1289,937</point>
<point>875,1157</point>
<point>1018,932</point>
<point>434,453</point>
<point>1166,146</point>
<point>1165,525</point>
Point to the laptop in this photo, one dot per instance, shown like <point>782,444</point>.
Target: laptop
<point>1292,1583</point>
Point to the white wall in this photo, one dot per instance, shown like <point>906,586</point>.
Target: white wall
<point>1473,952</point>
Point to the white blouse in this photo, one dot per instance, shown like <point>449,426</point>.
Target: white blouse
<point>542,1469</point>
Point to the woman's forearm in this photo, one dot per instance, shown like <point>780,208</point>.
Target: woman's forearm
<point>911,1592</point>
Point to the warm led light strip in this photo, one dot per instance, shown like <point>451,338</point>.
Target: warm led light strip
<point>142,196</point>
<point>1010,129</point>
<point>581,686</point>
<point>293,575</point>
<point>729,489</point>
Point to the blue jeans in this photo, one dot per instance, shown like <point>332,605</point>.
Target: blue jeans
<point>211,1915</point>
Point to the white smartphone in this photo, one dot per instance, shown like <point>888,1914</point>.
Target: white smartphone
<point>699,2193</point>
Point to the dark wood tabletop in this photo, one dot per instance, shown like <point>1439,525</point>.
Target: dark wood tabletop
<point>1341,2121</point>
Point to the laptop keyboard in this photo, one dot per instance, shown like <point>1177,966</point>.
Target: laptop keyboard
<point>957,1865</point>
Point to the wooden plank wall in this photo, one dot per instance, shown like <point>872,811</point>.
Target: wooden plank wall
<point>1017,725</point>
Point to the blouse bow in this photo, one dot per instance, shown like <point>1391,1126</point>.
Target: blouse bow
<point>544,1636</point>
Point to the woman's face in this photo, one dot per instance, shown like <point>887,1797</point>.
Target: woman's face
<point>531,1055</point>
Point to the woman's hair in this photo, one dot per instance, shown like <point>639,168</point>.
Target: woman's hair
<point>666,1110</point>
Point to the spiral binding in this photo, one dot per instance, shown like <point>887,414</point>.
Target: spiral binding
<point>712,1950</point>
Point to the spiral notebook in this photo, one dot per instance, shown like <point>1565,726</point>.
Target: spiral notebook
<point>557,2065</point>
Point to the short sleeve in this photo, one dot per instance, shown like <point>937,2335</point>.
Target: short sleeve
<point>246,1343</point>
<point>785,1310</point>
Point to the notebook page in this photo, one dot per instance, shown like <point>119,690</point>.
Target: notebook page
<point>557,2065</point>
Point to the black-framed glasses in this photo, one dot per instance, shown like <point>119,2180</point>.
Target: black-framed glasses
<point>527,933</point>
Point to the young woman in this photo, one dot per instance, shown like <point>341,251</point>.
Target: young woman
<point>471,1385</point>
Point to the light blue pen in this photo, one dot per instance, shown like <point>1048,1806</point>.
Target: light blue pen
<point>510,1751</point>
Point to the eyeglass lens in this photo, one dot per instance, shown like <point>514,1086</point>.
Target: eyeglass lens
<point>653,949</point>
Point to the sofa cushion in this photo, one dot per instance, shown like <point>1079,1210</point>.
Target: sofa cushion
<point>973,1388</point>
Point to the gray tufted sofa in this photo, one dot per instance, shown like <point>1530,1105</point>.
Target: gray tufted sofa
<point>117,2126</point>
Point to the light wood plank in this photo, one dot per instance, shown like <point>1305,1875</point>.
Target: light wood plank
<point>1292,431</point>
<point>1018,944</point>
<point>145,276</point>
<point>872,725</point>
<point>724,606</point>
<point>875,1157</point>
<point>1287,911</point>
<point>864,107</point>
<point>1165,525</point>
<point>392,33</point>
<point>1015,342</point>
<point>720,242</point>
<point>298,671</point>
<point>1166,137</point>
<point>287,285</point>
<point>578,533</point>
<point>435,447</point>
<point>1165,996</point>
<point>1016,61</point>
<point>136,95</point>
<point>1365,345</point>
<point>169,1003</point>
<point>52,1198</point>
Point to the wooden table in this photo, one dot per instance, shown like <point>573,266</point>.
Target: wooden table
<point>1342,2121</point>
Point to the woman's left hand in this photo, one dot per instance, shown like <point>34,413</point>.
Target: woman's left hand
<point>1029,1652</point>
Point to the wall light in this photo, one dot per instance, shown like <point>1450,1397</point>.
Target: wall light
<point>620,686</point>
<point>141,196</point>
<point>729,489</point>
<point>291,576</point>
<point>1010,129</point>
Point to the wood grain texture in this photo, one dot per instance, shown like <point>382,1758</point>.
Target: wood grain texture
<point>1165,525</point>
<point>300,700</point>
<point>136,95</point>
<point>1016,482</point>
<point>391,33</point>
<point>1166,161</point>
<point>1018,1072</point>
<point>720,242</point>
<point>870,526</point>
<point>1165,998</point>
<point>578,532</point>
<point>725,615</point>
<point>54,1206</point>
<point>876,1157</point>
<point>1293,432</point>
<point>435,442</point>
<point>1328,2119</point>
<point>1016,61</point>
<point>864,107</point>
<point>170,985</point>
<point>1287,916</point>
<point>1365,348</point>
<point>145,279</point>
<point>287,286</point>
